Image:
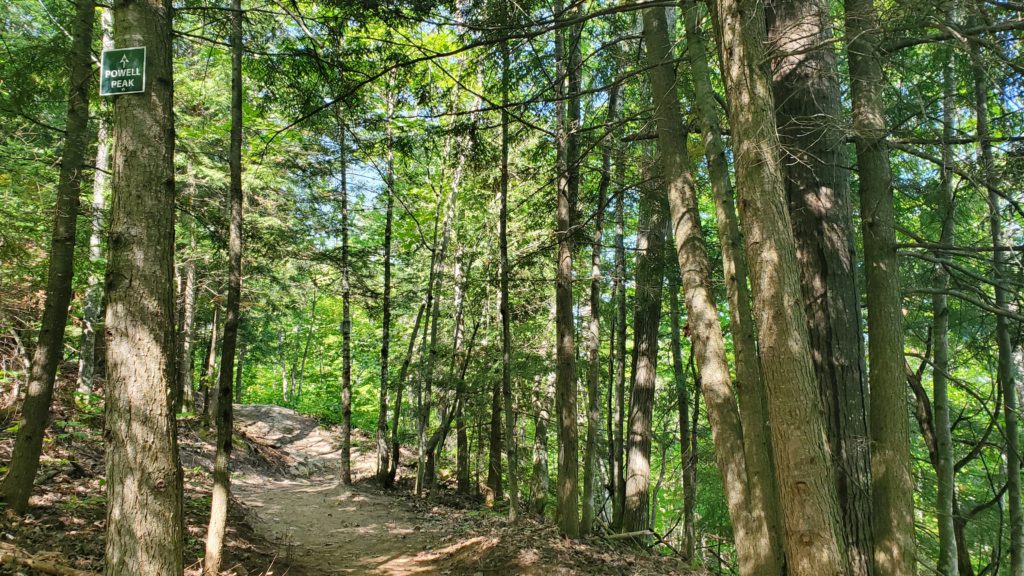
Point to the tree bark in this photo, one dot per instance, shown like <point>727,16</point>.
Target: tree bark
<point>647,320</point>
<point>184,393</point>
<point>49,351</point>
<point>682,394</point>
<point>239,396</point>
<point>594,334</point>
<point>210,369</point>
<point>610,410</point>
<point>284,366</point>
<point>925,419</point>
<point>946,563</point>
<point>567,50</point>
<point>346,339</point>
<point>808,112</point>
<point>494,480</point>
<point>506,320</point>
<point>299,366</point>
<point>426,473</point>
<point>93,306</point>
<point>221,472</point>
<point>689,463</point>
<point>758,553</point>
<point>385,340</point>
<point>389,479</point>
<point>425,470</point>
<point>144,530</point>
<point>618,464</point>
<point>437,439</point>
<point>460,284</point>
<point>891,471</point>
<point>663,458</point>
<point>749,384</point>
<point>540,480</point>
<point>543,395</point>
<point>812,533</point>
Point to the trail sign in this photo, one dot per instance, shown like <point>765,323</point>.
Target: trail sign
<point>123,71</point>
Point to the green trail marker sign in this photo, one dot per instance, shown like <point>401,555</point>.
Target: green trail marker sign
<point>123,71</point>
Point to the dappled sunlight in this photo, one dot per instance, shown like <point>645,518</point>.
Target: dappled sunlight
<point>427,562</point>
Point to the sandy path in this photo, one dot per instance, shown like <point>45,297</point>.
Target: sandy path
<point>324,528</point>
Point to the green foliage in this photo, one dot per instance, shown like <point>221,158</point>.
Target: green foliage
<point>419,83</point>
<point>75,503</point>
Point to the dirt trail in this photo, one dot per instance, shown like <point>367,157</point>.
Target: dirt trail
<point>324,529</point>
<point>329,529</point>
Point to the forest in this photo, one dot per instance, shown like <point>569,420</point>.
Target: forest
<point>652,286</point>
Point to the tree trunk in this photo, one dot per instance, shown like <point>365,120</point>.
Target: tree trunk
<point>749,384</point>
<point>299,367</point>
<point>49,351</point>
<point>144,529</point>
<point>893,483</point>
<point>682,394</point>
<point>757,551</point>
<point>435,443</point>
<point>610,409</point>
<point>619,464</point>
<point>426,471</point>
<point>422,391</point>
<point>221,473</point>
<point>543,395</point>
<point>239,395</point>
<point>185,395</point>
<point>663,458</point>
<point>346,340</point>
<point>284,366</point>
<point>813,537</point>
<point>385,339</point>
<point>689,463</point>
<point>569,62</point>
<point>437,439</point>
<point>93,306</point>
<point>506,321</point>
<point>462,450</point>
<point>925,420</point>
<point>646,319</point>
<point>806,88</point>
<point>210,369</point>
<point>1003,297</point>
<point>594,334</point>
<point>425,474</point>
<point>946,563</point>
<point>460,285</point>
<point>494,481</point>
<point>540,480</point>
<point>389,479</point>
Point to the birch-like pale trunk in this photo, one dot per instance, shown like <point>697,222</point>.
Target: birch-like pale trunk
<point>221,494</point>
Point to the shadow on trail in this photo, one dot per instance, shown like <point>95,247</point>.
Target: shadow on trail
<point>322,528</point>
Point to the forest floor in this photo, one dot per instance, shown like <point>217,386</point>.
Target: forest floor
<point>325,528</point>
<point>290,514</point>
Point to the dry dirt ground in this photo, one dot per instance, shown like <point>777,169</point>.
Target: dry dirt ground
<point>325,528</point>
<point>66,519</point>
<point>290,516</point>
